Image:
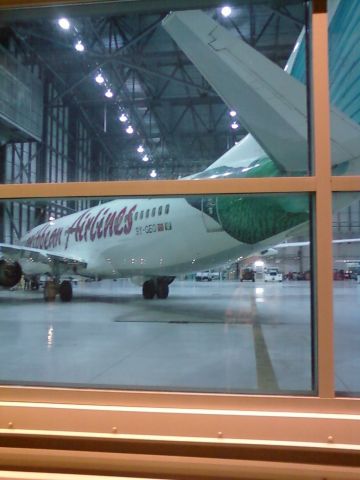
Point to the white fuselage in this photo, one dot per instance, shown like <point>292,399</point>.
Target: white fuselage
<point>143,237</point>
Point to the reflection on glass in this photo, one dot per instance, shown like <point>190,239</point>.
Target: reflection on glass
<point>204,296</point>
<point>151,98</point>
<point>346,252</point>
<point>344,71</point>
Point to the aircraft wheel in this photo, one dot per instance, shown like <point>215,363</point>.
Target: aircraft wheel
<point>149,290</point>
<point>65,291</point>
<point>50,291</point>
<point>162,290</point>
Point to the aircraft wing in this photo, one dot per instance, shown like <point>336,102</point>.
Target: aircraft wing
<point>269,102</point>
<point>36,255</point>
<point>304,244</point>
<point>275,249</point>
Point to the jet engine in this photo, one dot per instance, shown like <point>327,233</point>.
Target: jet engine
<point>10,273</point>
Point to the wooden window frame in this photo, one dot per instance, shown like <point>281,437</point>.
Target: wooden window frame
<point>221,436</point>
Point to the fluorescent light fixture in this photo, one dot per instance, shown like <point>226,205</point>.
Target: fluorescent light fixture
<point>140,149</point>
<point>232,113</point>
<point>109,93</point>
<point>99,79</point>
<point>79,46</point>
<point>64,23</point>
<point>145,158</point>
<point>123,118</point>
<point>129,130</point>
<point>234,125</point>
<point>153,174</point>
<point>226,11</point>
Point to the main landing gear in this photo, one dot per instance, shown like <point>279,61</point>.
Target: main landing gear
<point>160,288</point>
<point>52,288</point>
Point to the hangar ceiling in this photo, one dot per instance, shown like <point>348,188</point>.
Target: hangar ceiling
<point>176,116</point>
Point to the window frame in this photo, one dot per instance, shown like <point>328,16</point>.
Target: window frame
<point>97,416</point>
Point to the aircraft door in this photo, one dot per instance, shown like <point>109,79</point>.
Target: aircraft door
<point>210,214</point>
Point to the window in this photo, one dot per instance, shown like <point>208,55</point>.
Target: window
<point>346,284</point>
<point>153,211</point>
<point>147,213</point>
<point>160,211</point>
<point>103,242</point>
<point>167,209</point>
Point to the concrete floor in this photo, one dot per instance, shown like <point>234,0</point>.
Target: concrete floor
<point>218,336</point>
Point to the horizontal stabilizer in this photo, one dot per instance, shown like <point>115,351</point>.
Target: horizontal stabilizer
<point>269,102</point>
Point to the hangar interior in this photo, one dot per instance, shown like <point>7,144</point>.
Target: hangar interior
<point>110,96</point>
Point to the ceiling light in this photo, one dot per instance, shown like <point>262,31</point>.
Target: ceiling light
<point>140,149</point>
<point>79,46</point>
<point>123,118</point>
<point>64,23</point>
<point>145,158</point>
<point>109,93</point>
<point>232,113</point>
<point>234,125</point>
<point>153,174</point>
<point>129,130</point>
<point>226,11</point>
<point>99,79</point>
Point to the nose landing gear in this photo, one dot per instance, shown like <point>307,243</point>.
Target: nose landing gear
<point>65,291</point>
<point>52,288</point>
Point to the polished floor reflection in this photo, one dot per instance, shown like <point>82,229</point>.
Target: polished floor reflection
<point>217,336</point>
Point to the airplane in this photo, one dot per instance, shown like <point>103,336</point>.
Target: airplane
<point>152,240</point>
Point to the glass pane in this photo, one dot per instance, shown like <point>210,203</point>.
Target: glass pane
<point>344,65</point>
<point>116,95</point>
<point>346,227</point>
<point>202,296</point>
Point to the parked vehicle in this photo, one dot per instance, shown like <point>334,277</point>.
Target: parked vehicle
<point>215,275</point>
<point>247,274</point>
<point>203,276</point>
<point>273,275</point>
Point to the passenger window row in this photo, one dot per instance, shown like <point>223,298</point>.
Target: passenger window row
<point>154,211</point>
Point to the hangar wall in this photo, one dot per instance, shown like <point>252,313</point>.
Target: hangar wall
<point>64,151</point>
